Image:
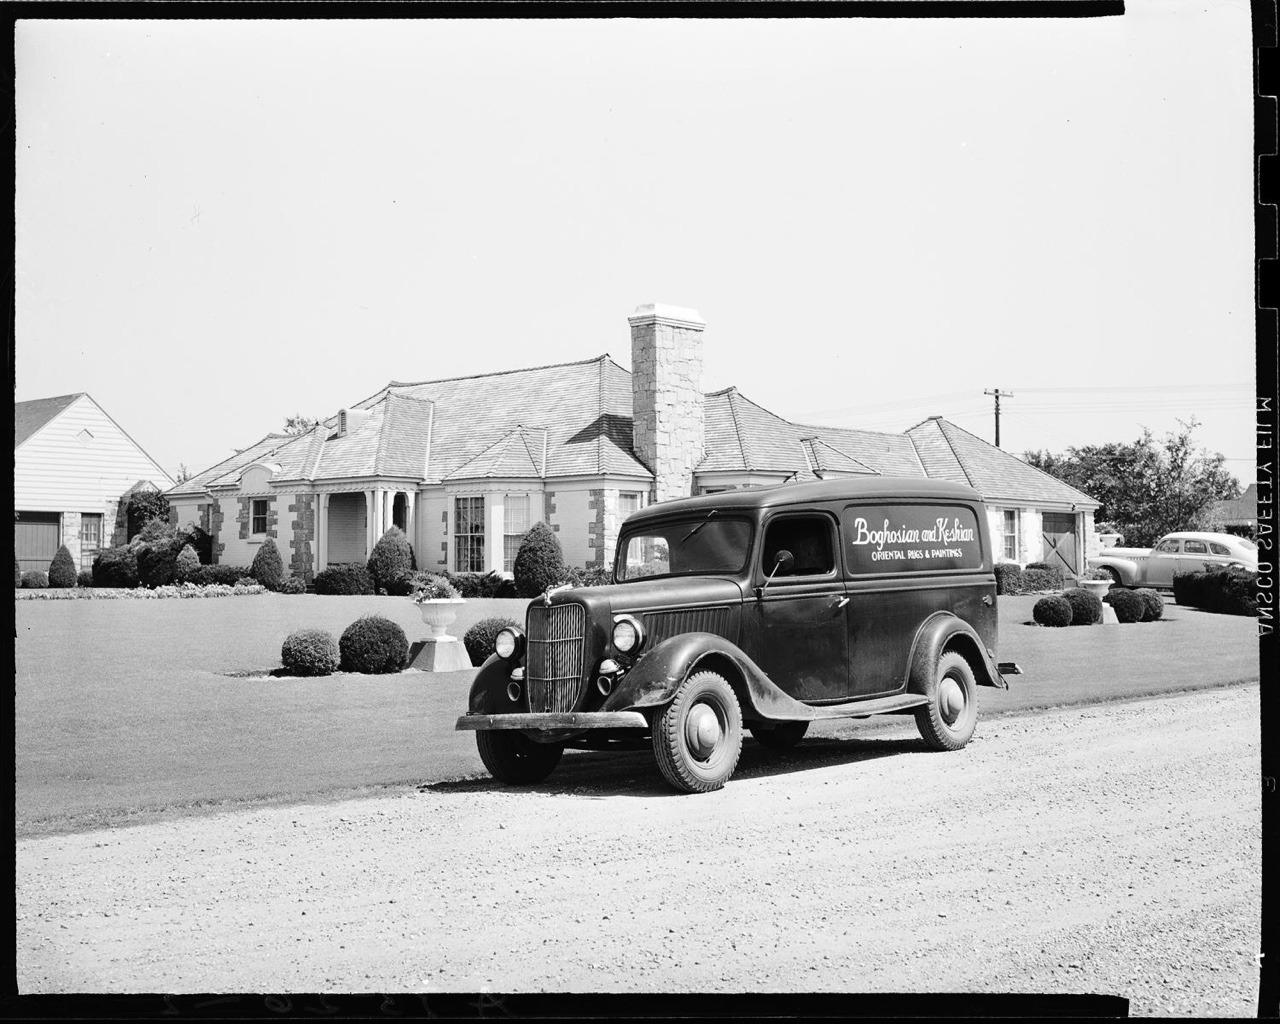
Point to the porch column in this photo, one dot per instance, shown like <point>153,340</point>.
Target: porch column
<point>370,521</point>
<point>411,518</point>
<point>494,516</point>
<point>322,531</point>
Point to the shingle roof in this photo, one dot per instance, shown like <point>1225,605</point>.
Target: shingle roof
<point>228,470</point>
<point>520,453</point>
<point>29,417</point>
<point>742,436</point>
<point>1241,510</point>
<point>585,408</point>
<point>949,452</point>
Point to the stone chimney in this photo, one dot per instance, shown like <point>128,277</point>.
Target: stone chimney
<point>666,395</point>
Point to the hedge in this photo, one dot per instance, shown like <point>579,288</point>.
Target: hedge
<point>35,579</point>
<point>1228,591</point>
<point>1008,578</point>
<point>115,567</point>
<point>474,584</point>
<point>344,580</point>
<point>224,575</point>
<point>1056,572</point>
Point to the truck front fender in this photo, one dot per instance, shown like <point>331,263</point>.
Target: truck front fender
<point>944,631</point>
<point>488,694</point>
<point>655,678</point>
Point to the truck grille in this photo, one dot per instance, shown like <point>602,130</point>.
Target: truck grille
<point>557,638</point>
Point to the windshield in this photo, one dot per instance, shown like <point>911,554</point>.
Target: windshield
<point>685,547</point>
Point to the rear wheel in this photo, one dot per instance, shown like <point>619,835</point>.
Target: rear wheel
<point>948,720</point>
<point>698,736</point>
<point>513,758</point>
<point>779,735</point>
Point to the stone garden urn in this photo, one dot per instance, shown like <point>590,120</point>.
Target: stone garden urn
<point>439,613</point>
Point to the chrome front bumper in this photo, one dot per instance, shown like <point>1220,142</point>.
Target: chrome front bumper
<point>557,720</point>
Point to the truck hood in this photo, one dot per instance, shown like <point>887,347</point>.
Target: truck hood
<point>665,592</point>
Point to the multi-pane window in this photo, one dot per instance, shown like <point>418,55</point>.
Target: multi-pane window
<point>90,537</point>
<point>1011,534</point>
<point>258,515</point>
<point>628,502</point>
<point>468,518</point>
<point>515,524</point>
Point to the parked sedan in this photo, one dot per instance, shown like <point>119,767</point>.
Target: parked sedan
<point>1176,552</point>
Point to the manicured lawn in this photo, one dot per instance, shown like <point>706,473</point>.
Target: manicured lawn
<point>125,706</point>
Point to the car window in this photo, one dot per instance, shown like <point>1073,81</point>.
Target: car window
<point>1218,549</point>
<point>808,538</point>
<point>1167,546</point>
<point>1195,547</point>
<point>685,547</point>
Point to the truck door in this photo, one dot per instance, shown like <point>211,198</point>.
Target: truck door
<point>799,619</point>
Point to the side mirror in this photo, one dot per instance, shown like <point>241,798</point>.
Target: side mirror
<point>783,562</point>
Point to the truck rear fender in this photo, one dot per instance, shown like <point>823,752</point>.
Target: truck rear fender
<point>943,632</point>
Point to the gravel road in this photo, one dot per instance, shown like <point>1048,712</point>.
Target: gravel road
<point>1112,849</point>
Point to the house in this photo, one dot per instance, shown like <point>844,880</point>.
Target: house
<point>466,465</point>
<point>1237,515</point>
<point>73,470</point>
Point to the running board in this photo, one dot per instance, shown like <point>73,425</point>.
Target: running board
<point>867,708</point>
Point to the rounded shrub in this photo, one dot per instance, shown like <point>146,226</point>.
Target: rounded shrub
<point>1129,605</point>
<point>1008,578</point>
<point>1054,610</point>
<point>293,585</point>
<point>34,579</point>
<point>391,562</point>
<point>345,580</point>
<point>84,578</point>
<point>116,567</point>
<point>539,563</point>
<point>1034,580</point>
<point>478,640</point>
<point>187,562</point>
<point>309,652</point>
<point>62,570</point>
<point>1055,572</point>
<point>17,570</point>
<point>1086,606</point>
<point>268,567</point>
<point>1153,604</point>
<point>157,563</point>
<point>373,645</point>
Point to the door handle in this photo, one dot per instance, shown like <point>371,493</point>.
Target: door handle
<point>843,601</point>
<point>987,600</point>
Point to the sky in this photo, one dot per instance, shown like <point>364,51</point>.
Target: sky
<point>220,224</point>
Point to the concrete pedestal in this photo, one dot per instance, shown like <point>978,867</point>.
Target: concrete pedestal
<point>1108,615</point>
<point>442,654</point>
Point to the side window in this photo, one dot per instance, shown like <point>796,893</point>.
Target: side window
<point>1195,547</point>
<point>808,538</point>
<point>1218,549</point>
<point>1167,547</point>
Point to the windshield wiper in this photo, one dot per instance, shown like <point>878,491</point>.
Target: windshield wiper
<point>698,527</point>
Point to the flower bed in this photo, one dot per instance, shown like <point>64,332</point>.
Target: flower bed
<point>141,593</point>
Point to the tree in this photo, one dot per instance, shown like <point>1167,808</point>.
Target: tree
<point>268,567</point>
<point>184,474</point>
<point>390,562</point>
<point>1147,488</point>
<point>62,570</point>
<point>298,424</point>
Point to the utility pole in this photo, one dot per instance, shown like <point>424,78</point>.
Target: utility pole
<point>998,395</point>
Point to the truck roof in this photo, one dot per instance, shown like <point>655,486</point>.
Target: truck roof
<point>847,488</point>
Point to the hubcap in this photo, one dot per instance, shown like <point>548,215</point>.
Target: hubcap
<point>950,700</point>
<point>702,731</point>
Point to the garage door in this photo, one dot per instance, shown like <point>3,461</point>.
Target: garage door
<point>1059,534</point>
<point>36,536</point>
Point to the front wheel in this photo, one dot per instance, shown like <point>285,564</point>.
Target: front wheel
<point>513,758</point>
<point>698,736</point>
<point>948,720</point>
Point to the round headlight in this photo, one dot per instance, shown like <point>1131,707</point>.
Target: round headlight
<point>626,635</point>
<point>506,643</point>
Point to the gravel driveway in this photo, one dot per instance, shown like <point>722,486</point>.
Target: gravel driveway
<point>1112,849</point>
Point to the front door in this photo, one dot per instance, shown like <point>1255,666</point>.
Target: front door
<point>1059,533</point>
<point>799,620</point>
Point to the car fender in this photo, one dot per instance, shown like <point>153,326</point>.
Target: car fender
<point>1127,568</point>
<point>488,694</point>
<point>656,677</point>
<point>944,631</point>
